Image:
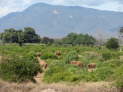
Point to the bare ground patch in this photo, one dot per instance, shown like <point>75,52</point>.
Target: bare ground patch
<point>60,87</point>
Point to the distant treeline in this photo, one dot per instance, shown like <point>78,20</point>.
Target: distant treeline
<point>28,35</point>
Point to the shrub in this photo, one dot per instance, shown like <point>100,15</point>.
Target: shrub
<point>19,70</point>
<point>104,73</point>
<point>110,55</point>
<point>49,56</point>
<point>61,72</point>
<point>106,55</point>
<point>71,56</point>
<point>118,76</point>
<point>91,55</point>
<point>112,43</point>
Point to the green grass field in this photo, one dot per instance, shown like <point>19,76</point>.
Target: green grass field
<point>109,63</point>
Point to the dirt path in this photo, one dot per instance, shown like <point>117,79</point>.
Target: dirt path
<point>39,78</point>
<point>39,86</point>
<point>82,87</point>
<point>57,87</point>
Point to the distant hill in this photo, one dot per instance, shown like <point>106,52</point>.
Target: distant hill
<point>57,21</point>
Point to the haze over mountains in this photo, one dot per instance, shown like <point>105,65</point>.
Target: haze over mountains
<point>57,21</point>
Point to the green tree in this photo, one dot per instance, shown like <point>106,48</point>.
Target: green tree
<point>19,36</point>
<point>12,36</point>
<point>79,39</point>
<point>9,36</point>
<point>121,36</point>
<point>112,43</point>
<point>47,40</point>
<point>30,35</point>
<point>70,38</point>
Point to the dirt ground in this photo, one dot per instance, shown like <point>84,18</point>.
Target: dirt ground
<point>56,87</point>
<point>60,87</point>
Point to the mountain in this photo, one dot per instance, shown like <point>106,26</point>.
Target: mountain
<point>57,21</point>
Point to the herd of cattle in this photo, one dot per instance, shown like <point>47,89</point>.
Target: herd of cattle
<point>91,67</point>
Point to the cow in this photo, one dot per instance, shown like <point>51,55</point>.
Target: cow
<point>41,62</point>
<point>58,53</point>
<point>77,63</point>
<point>91,67</point>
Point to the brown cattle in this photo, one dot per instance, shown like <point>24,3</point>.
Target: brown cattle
<point>58,53</point>
<point>41,62</point>
<point>77,63</point>
<point>92,66</point>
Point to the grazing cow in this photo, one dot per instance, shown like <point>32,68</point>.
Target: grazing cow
<point>41,62</point>
<point>92,66</point>
<point>58,53</point>
<point>77,63</point>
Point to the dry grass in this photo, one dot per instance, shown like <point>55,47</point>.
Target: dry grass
<point>83,87</point>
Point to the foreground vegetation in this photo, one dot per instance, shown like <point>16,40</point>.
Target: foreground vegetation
<point>19,64</point>
<point>75,58</point>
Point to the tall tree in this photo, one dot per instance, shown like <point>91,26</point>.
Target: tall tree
<point>47,40</point>
<point>30,35</point>
<point>19,36</point>
<point>121,35</point>
<point>79,39</point>
<point>112,43</point>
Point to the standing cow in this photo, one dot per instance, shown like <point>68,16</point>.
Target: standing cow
<point>91,67</point>
<point>77,63</point>
<point>41,62</point>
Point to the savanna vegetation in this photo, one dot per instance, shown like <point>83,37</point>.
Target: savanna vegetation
<point>75,58</point>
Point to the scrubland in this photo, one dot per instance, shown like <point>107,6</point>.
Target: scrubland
<point>99,69</point>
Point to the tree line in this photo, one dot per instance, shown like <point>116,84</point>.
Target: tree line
<point>29,35</point>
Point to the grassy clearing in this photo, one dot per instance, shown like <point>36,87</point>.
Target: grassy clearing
<point>108,63</point>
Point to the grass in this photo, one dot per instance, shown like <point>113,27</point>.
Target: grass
<point>59,69</point>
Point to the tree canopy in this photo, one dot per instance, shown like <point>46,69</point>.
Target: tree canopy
<point>28,35</point>
<point>112,43</point>
<point>47,40</point>
<point>80,39</point>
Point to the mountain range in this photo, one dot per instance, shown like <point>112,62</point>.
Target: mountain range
<point>58,21</point>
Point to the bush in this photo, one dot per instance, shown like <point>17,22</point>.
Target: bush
<point>118,76</point>
<point>49,56</point>
<point>104,73</point>
<point>109,55</point>
<point>19,70</point>
<point>71,56</point>
<point>106,55</point>
<point>112,43</point>
<point>61,72</point>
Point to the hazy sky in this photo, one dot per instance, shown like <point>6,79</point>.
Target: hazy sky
<point>7,6</point>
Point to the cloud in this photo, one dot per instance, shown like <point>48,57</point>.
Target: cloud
<point>110,6</point>
<point>7,6</point>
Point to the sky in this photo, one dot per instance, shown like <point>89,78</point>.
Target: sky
<point>8,6</point>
